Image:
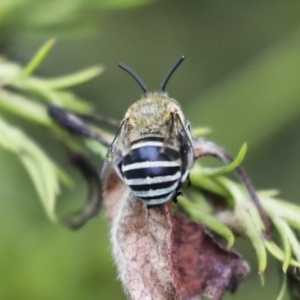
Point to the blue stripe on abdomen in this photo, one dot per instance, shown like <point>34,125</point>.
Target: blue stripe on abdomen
<point>150,153</point>
<point>151,171</point>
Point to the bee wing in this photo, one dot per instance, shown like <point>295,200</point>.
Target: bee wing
<point>176,132</point>
<point>185,141</point>
<point>106,168</point>
<point>113,151</point>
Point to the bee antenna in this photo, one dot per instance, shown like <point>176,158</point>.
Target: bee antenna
<point>135,76</point>
<point>169,75</point>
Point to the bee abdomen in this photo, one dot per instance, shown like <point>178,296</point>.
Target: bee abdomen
<point>151,171</point>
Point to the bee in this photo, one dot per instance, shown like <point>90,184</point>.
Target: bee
<point>154,149</point>
<point>152,153</point>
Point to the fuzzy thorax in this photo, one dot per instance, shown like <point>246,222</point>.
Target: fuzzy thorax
<point>151,116</point>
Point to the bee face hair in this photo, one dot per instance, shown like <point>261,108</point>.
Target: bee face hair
<point>151,115</point>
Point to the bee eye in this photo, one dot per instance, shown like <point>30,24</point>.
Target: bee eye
<point>188,125</point>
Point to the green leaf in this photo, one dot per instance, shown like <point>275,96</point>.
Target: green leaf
<point>43,172</point>
<point>278,253</point>
<point>230,167</point>
<point>201,180</point>
<point>38,58</point>
<point>275,207</point>
<point>74,79</point>
<point>283,288</point>
<point>23,107</point>
<point>293,241</point>
<point>269,193</point>
<point>96,147</point>
<point>250,218</point>
<point>117,4</point>
<point>39,87</point>
<point>8,71</point>
<point>210,221</point>
<point>281,227</point>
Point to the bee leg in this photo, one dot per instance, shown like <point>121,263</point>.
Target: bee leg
<point>202,147</point>
<point>189,184</point>
<point>94,202</point>
<point>178,194</point>
<point>75,124</point>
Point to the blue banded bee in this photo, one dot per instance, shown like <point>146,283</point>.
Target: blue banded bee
<point>153,150</point>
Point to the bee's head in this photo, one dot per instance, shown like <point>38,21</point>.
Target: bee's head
<point>155,113</point>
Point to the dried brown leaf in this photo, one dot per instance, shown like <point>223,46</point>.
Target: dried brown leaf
<point>164,256</point>
<point>203,267</point>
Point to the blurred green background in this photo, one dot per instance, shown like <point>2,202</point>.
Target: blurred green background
<point>241,78</point>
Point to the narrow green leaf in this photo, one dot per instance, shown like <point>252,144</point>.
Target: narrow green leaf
<point>46,190</point>
<point>8,71</point>
<point>283,214</point>
<point>281,227</point>
<point>38,58</point>
<point>293,241</point>
<point>278,253</point>
<point>279,208</point>
<point>210,221</point>
<point>96,147</point>
<point>250,218</point>
<point>230,167</point>
<point>63,177</point>
<point>281,204</point>
<point>283,288</point>
<point>198,199</point>
<point>23,107</point>
<point>201,180</point>
<point>269,193</point>
<point>38,87</point>
<point>43,172</point>
<point>74,79</point>
<point>117,4</point>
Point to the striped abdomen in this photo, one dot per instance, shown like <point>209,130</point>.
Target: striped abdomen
<point>153,173</point>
